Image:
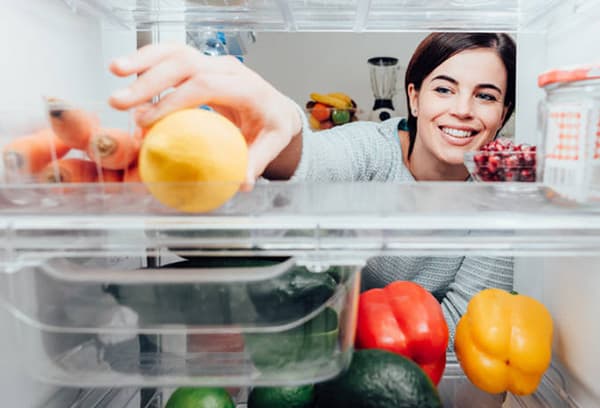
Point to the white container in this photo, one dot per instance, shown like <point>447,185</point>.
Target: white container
<point>570,124</point>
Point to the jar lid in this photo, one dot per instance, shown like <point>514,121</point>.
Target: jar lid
<point>569,74</point>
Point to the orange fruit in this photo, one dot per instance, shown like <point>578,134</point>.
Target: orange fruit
<point>193,160</point>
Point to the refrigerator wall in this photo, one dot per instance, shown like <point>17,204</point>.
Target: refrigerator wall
<point>46,50</point>
<point>568,286</point>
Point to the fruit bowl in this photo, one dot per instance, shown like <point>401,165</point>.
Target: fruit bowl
<point>328,110</point>
<point>330,116</point>
<point>501,160</point>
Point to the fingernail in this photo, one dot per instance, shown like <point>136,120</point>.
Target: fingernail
<point>122,94</point>
<point>122,63</point>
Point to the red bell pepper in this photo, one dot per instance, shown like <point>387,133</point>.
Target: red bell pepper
<point>406,319</point>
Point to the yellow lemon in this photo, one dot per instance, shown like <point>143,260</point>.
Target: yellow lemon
<point>193,160</point>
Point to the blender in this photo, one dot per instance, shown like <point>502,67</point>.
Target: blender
<point>383,71</point>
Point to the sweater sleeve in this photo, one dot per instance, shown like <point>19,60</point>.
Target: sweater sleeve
<point>474,275</point>
<point>358,151</point>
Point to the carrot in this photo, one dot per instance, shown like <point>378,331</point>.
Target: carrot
<point>70,171</point>
<point>110,176</point>
<point>31,153</point>
<point>132,174</point>
<point>74,126</point>
<point>140,133</point>
<point>113,148</point>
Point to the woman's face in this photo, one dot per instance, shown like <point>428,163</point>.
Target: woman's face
<point>460,105</point>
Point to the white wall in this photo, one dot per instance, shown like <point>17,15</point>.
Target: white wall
<point>46,50</point>
<point>301,63</point>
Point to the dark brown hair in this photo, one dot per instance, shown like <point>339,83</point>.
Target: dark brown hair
<point>438,47</point>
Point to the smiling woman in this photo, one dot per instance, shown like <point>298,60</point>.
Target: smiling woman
<point>460,89</point>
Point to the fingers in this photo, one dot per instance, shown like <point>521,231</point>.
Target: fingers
<point>157,79</point>
<point>185,96</point>
<point>142,59</point>
<point>261,152</point>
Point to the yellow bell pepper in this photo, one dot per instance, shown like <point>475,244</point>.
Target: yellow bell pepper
<point>504,342</point>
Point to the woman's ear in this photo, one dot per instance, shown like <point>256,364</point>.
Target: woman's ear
<point>413,98</point>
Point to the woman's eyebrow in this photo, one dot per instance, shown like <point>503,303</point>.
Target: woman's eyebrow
<point>455,82</point>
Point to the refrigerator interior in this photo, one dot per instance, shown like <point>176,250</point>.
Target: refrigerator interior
<point>62,47</point>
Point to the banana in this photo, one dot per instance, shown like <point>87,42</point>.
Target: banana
<point>342,96</point>
<point>329,100</point>
<point>314,123</point>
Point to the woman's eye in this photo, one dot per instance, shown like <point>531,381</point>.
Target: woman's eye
<point>487,97</point>
<point>442,90</point>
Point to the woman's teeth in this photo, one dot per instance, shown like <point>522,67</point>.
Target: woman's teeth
<point>457,132</point>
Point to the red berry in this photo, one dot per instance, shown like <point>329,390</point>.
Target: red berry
<point>510,162</point>
<point>493,163</point>
<point>529,159</point>
<point>480,159</point>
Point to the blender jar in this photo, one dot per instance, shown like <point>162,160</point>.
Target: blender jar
<point>570,126</point>
<point>384,73</point>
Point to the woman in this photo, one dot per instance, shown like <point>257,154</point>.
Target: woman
<point>460,90</point>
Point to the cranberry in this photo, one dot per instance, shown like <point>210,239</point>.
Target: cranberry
<point>529,159</point>
<point>510,162</point>
<point>480,159</point>
<point>503,160</point>
<point>525,175</point>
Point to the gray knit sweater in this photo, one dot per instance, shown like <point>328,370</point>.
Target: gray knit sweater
<point>368,151</point>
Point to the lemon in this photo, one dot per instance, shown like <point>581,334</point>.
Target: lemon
<point>193,160</point>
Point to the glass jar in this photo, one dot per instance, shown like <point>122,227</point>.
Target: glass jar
<point>570,126</point>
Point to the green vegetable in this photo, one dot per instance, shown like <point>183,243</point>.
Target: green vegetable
<point>379,379</point>
<point>340,116</point>
<point>301,348</point>
<point>188,397</point>
<point>279,397</point>
<point>291,295</point>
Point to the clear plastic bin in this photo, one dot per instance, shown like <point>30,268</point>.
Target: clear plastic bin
<point>60,142</point>
<point>223,321</point>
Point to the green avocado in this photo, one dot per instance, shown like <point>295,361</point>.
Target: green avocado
<point>379,379</point>
<point>302,396</point>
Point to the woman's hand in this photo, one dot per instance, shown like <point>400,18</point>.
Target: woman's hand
<point>267,119</point>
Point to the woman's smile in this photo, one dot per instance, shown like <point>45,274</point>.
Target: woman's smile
<point>458,136</point>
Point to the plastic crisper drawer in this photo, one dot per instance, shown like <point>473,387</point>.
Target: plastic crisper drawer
<point>243,321</point>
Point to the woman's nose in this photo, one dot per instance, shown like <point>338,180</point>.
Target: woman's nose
<point>463,106</point>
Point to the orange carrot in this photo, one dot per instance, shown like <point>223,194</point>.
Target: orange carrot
<point>31,153</point>
<point>140,133</point>
<point>70,171</point>
<point>111,181</point>
<point>74,126</point>
<point>113,148</point>
<point>111,176</point>
<point>132,174</point>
